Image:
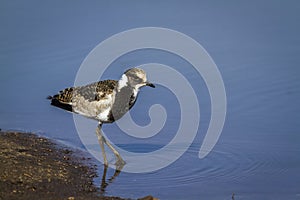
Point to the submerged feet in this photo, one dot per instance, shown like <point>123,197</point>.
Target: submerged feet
<point>120,163</point>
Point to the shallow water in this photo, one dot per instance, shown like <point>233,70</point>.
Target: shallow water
<point>255,46</point>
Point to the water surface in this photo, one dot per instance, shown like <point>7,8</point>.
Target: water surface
<point>255,45</point>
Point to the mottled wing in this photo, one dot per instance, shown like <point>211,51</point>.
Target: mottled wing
<point>63,99</point>
<point>89,100</point>
<point>94,100</point>
<point>96,91</point>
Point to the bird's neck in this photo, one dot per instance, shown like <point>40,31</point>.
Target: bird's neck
<point>123,82</point>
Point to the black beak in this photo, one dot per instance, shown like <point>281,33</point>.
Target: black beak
<point>150,85</point>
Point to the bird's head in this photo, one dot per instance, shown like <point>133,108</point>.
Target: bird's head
<point>135,78</point>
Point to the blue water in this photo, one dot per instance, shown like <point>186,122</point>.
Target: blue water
<point>256,46</point>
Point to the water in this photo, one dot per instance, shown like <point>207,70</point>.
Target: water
<point>256,46</point>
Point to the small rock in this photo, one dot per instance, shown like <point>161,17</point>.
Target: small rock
<point>66,158</point>
<point>66,151</point>
<point>148,198</point>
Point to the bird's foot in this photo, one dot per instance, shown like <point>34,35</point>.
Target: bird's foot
<point>120,164</point>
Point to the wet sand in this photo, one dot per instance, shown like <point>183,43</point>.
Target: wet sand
<point>34,167</point>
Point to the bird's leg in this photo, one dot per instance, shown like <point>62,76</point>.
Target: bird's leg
<point>120,162</point>
<point>101,141</point>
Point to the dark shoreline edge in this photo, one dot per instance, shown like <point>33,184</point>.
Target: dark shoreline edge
<point>35,167</point>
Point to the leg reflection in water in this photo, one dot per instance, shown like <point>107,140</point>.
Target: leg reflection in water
<point>105,183</point>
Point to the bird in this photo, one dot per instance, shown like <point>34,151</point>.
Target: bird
<point>105,101</point>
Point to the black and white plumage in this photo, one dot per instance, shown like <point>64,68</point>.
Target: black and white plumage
<point>105,101</point>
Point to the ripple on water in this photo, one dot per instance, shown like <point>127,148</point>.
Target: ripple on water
<point>228,161</point>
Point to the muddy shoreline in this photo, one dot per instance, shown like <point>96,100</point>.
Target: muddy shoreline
<point>33,167</point>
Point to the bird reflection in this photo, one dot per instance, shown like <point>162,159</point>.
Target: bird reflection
<point>105,183</point>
